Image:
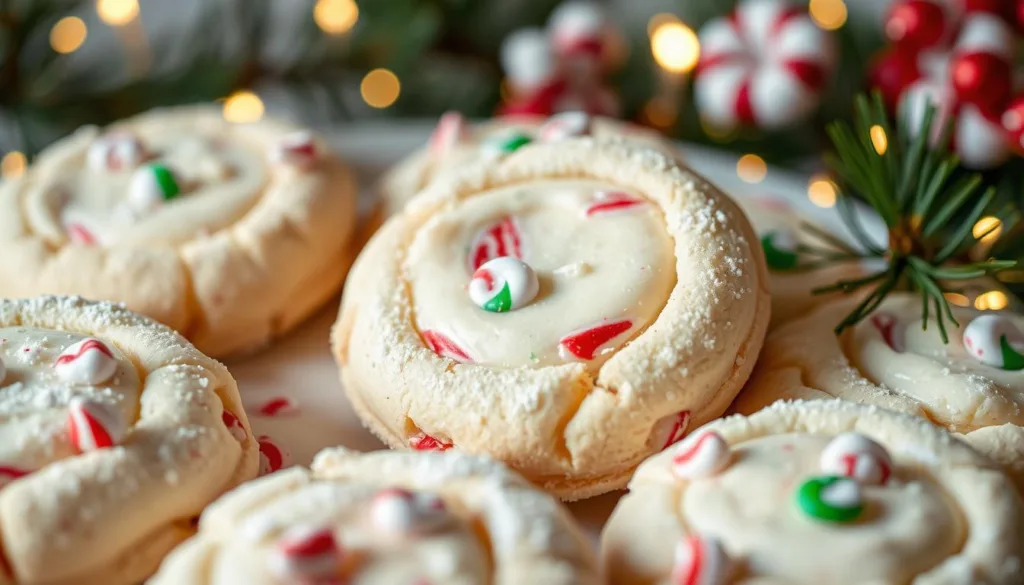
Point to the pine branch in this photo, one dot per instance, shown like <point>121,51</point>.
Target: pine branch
<point>929,205</point>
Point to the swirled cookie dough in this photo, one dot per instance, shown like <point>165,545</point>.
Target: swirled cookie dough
<point>114,434</point>
<point>891,360</point>
<point>386,518</point>
<point>229,233</point>
<point>818,492</point>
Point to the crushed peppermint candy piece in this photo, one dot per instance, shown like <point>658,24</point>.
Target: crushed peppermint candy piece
<point>89,362</point>
<point>278,406</point>
<point>401,512</point>
<point>701,455</point>
<point>94,425</point>
<point>307,554</point>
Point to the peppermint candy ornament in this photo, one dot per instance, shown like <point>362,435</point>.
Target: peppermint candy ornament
<point>89,362</point>
<point>307,554</point>
<point>780,249</point>
<point>701,455</point>
<point>763,66</point>
<point>701,561</point>
<point>401,512</point>
<point>503,284</point>
<point>995,340</point>
<point>115,152</point>
<point>152,186</point>
<point>94,425</point>
<point>856,456</point>
<point>831,499</point>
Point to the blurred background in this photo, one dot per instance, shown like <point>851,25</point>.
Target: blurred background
<point>65,63</point>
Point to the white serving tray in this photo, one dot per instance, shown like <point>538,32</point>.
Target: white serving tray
<point>301,367</point>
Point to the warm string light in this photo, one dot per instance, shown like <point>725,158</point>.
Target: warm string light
<point>828,14</point>
<point>675,46</point>
<point>822,191</point>
<point>13,164</point>
<point>336,16</point>
<point>380,88</point>
<point>243,107</point>
<point>878,139</point>
<point>993,300</point>
<point>117,12</point>
<point>751,168</point>
<point>68,34</point>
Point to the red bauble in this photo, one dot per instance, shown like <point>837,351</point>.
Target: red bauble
<point>1001,7</point>
<point>1012,122</point>
<point>981,79</point>
<point>892,72</point>
<point>916,24</point>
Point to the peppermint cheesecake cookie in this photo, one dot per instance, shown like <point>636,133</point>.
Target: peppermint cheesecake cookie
<point>455,144</point>
<point>387,518</point>
<point>114,434</point>
<point>569,309</point>
<point>787,243</point>
<point>974,385</point>
<point>817,493</point>
<point>228,233</point>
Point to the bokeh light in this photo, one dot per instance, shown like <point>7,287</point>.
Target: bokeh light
<point>13,164</point>
<point>117,12</point>
<point>993,300</point>
<point>243,107</point>
<point>336,16</point>
<point>828,14</point>
<point>675,47</point>
<point>380,88</point>
<point>878,139</point>
<point>68,34</point>
<point>751,168</point>
<point>822,191</point>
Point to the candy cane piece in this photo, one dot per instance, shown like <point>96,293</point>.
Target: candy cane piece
<point>307,553</point>
<point>443,346</point>
<point>584,344</point>
<point>886,323</point>
<point>152,186</point>
<point>565,125</point>
<point>80,235</point>
<point>995,340</point>
<point>272,456</point>
<point>94,425</point>
<point>234,425</point>
<point>88,362</point>
<point>278,406</point>
<point>9,473</point>
<point>856,456</point>
<point>672,428</point>
<point>424,442</point>
<point>501,238</point>
<point>831,499</point>
<point>611,202</point>
<point>399,511</point>
<point>298,149</point>
<point>503,284</point>
<point>450,131</point>
<point>701,561</point>
<point>701,455</point>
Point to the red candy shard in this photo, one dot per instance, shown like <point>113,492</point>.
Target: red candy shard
<point>315,543</point>
<point>691,574</point>
<point>850,467</point>
<point>272,457</point>
<point>500,239</point>
<point>233,424</point>
<point>443,346</point>
<point>583,344</point>
<point>694,449</point>
<point>615,201</point>
<point>90,344</point>
<point>79,234</point>
<point>9,473</point>
<point>425,442</point>
<point>886,324</point>
<point>678,429</point>
<point>92,425</point>
<point>278,406</point>
<point>450,130</point>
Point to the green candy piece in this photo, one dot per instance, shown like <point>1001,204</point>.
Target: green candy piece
<point>512,143</point>
<point>169,188</point>
<point>778,258</point>
<point>501,302</point>
<point>809,498</point>
<point>1012,360</point>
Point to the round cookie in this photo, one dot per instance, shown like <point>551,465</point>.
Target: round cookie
<point>389,518</point>
<point>648,314</point>
<point>822,492</point>
<point>455,144</point>
<point>890,361</point>
<point>780,228</point>
<point>228,233</point>
<point>115,433</point>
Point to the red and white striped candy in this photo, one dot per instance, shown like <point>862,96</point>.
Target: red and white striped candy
<point>701,455</point>
<point>450,131</point>
<point>80,235</point>
<point>298,149</point>
<point>94,425</point>
<point>233,424</point>
<point>701,561</point>
<point>278,406</point>
<point>565,125</point>
<point>764,66</point>
<point>307,553</point>
<point>118,151</point>
<point>503,284</point>
<point>424,442</point>
<point>888,326</point>
<point>444,346</point>
<point>502,238</point>
<point>88,362</point>
<point>401,512</point>
<point>856,456</point>
<point>584,344</point>
<point>606,202</point>
<point>9,473</point>
<point>670,430</point>
<point>273,457</point>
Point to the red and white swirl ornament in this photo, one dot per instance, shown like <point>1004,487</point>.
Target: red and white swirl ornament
<point>401,512</point>
<point>307,554</point>
<point>701,455</point>
<point>701,560</point>
<point>856,456</point>
<point>89,362</point>
<point>762,66</point>
<point>94,425</point>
